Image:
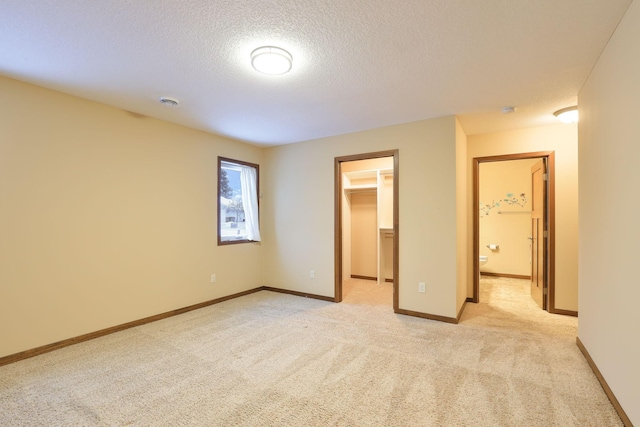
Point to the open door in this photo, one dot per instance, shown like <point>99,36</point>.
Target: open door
<point>538,234</point>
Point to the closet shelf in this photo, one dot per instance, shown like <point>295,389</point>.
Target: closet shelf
<point>361,189</point>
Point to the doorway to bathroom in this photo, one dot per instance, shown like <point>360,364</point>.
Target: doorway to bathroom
<point>366,225</point>
<point>514,222</point>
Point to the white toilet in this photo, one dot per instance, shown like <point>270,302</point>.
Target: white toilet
<point>483,261</point>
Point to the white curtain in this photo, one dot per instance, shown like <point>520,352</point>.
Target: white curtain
<point>249,182</point>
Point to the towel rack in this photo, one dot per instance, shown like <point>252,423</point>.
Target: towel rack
<point>513,212</point>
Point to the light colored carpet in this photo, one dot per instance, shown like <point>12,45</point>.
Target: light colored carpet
<point>270,359</point>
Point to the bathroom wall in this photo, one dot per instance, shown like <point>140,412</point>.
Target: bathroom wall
<point>505,219</point>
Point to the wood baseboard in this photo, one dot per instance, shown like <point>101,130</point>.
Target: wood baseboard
<point>510,276</point>
<point>427,316</point>
<point>97,334</point>
<point>464,304</point>
<point>375,279</point>
<point>356,276</point>
<point>563,312</point>
<point>623,416</point>
<point>298,294</point>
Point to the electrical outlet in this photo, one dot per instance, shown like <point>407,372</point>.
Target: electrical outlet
<point>312,274</point>
<point>213,278</point>
<point>422,287</point>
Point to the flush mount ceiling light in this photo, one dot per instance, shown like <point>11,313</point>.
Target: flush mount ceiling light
<point>171,102</point>
<point>271,60</point>
<point>567,115</point>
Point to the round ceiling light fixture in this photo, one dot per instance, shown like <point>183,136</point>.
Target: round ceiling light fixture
<point>271,60</point>
<point>567,115</point>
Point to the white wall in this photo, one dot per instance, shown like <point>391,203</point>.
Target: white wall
<point>609,132</point>
<point>563,139</point>
<point>106,217</point>
<point>299,223</point>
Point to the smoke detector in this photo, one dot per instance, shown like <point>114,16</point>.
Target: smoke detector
<point>171,102</point>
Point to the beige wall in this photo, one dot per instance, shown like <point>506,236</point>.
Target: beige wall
<point>381,163</point>
<point>502,224</point>
<point>363,215</point>
<point>386,247</point>
<point>299,224</point>
<point>563,140</point>
<point>106,217</point>
<point>609,133</point>
<point>385,210</point>
<point>464,257</point>
<point>364,234</point>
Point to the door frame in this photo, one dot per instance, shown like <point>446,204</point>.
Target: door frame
<point>338,219</point>
<point>551,222</point>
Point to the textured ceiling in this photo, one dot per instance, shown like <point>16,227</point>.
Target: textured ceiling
<point>358,64</point>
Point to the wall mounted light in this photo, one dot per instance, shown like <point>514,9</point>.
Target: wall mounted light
<point>271,60</point>
<point>567,115</point>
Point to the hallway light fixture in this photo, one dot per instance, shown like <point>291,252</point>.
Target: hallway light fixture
<point>271,60</point>
<point>567,115</point>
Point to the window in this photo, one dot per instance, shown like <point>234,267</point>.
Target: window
<point>238,216</point>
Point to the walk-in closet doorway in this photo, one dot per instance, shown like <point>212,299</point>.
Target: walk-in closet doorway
<point>368,183</point>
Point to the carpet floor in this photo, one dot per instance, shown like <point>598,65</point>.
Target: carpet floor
<point>270,359</point>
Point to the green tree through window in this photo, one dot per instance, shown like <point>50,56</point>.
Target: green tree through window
<point>225,188</point>
<point>238,208</point>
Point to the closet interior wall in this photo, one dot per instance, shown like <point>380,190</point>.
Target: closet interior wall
<point>367,219</point>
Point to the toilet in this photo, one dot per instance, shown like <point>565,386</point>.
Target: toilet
<point>483,261</point>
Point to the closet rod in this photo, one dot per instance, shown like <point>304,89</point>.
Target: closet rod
<point>360,190</point>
